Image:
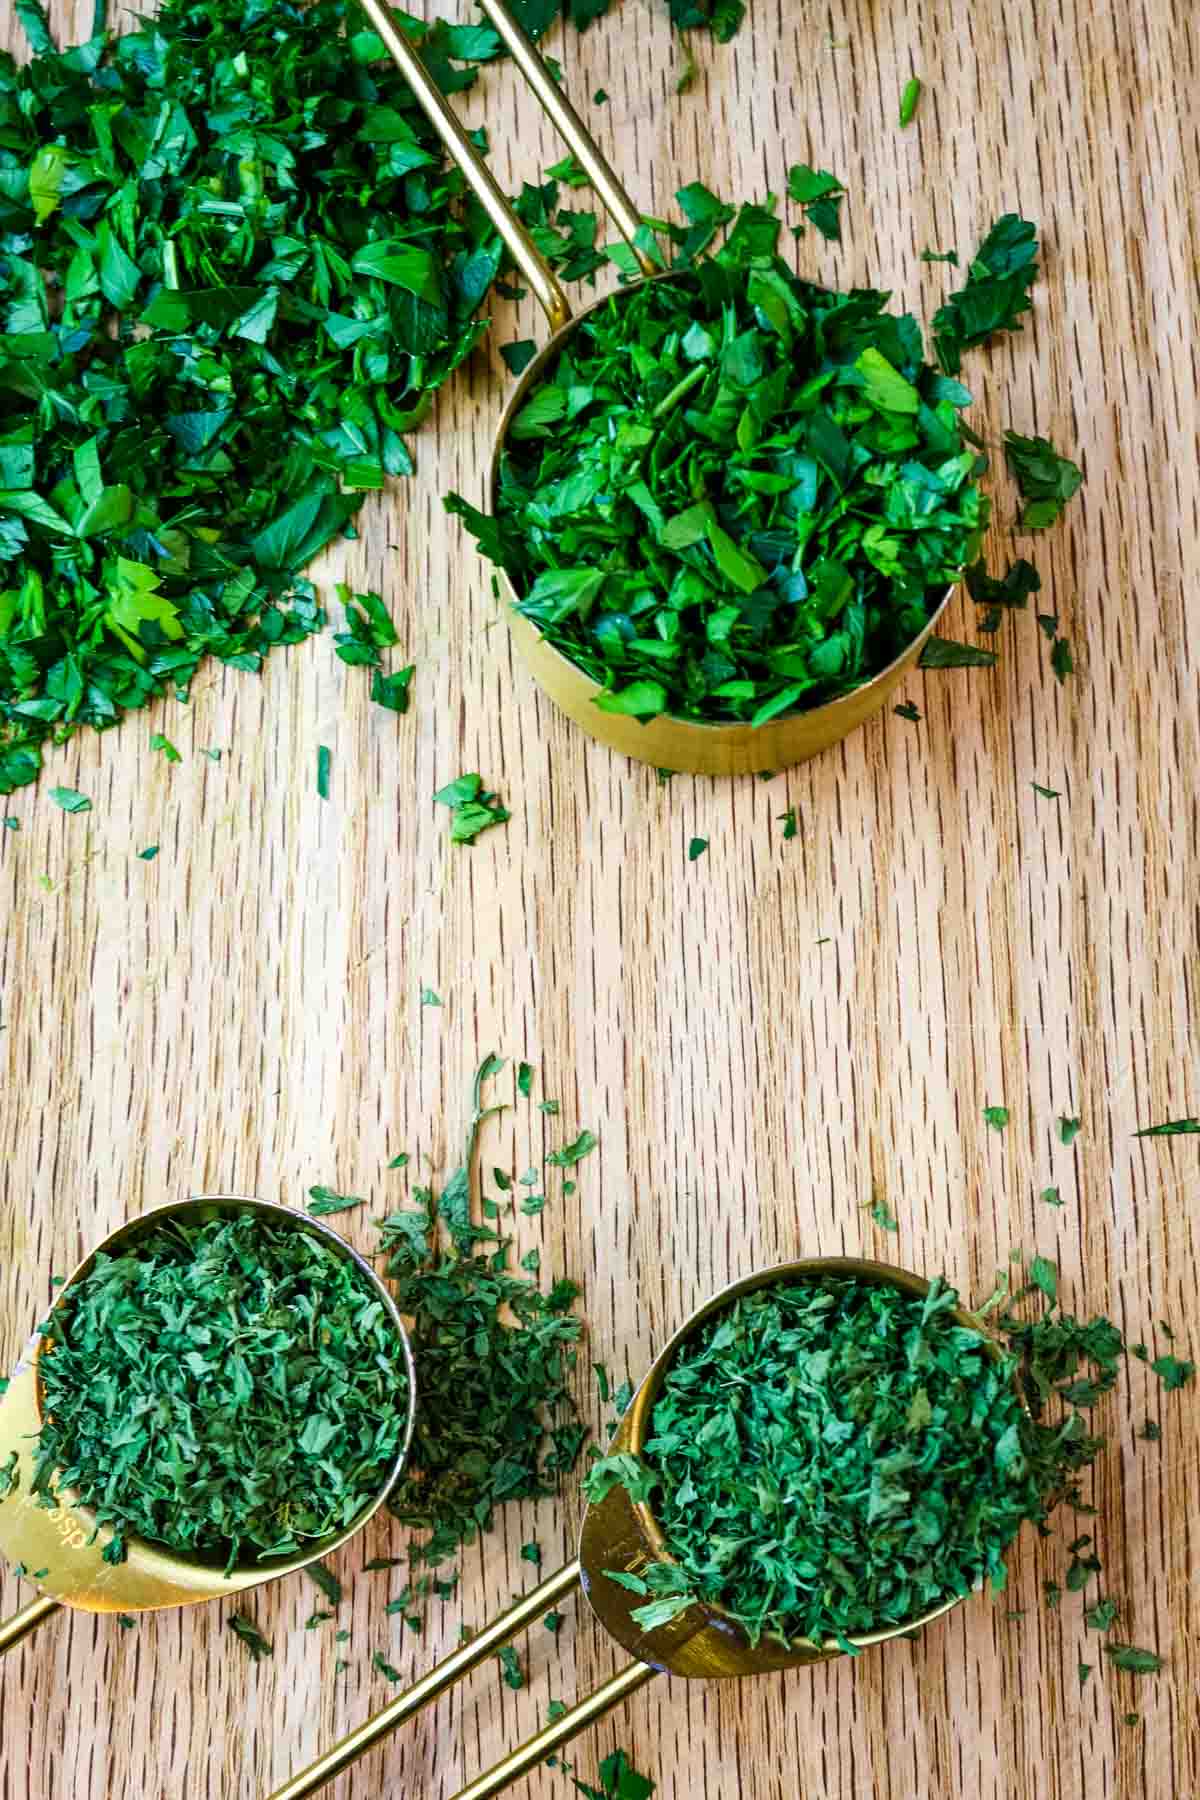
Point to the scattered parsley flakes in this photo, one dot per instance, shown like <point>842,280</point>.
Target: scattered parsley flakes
<point>996,1117</point>
<point>159,742</point>
<point>909,99</point>
<point>251,1636</point>
<point>1068,1129</point>
<point>788,820</point>
<point>1173,1372</point>
<point>882,1213</point>
<point>326,1581</point>
<point>1050,1196</point>
<point>570,1154</point>
<point>1102,1616</point>
<point>996,293</point>
<point>70,800</point>
<point>519,355</point>
<point>940,256</point>
<point>819,196</point>
<point>323,1200</point>
<point>323,763</point>
<point>1047,793</point>
<point>948,653</point>
<point>380,1662</point>
<point>1061,659</point>
<point>510,1664</point>
<point>532,1553</point>
<point>148,854</point>
<point>619,1780</point>
<point>392,691</point>
<point>471,809</point>
<point>552,1621</point>
<point>1171,1128</point>
<point>1045,480</point>
<point>908,709</point>
<point>1132,1660</point>
<point>126,1622</point>
<point>429,997</point>
<point>697,847</point>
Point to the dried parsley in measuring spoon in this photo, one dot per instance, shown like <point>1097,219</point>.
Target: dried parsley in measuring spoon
<point>234,1390</point>
<point>831,1457</point>
<point>734,494</point>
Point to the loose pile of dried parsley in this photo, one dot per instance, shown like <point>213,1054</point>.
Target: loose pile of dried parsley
<point>233,1389</point>
<point>497,1420</point>
<point>828,1458</point>
<point>735,494</point>
<point>233,269</point>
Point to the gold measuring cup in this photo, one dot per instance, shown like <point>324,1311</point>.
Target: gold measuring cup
<point>58,1544</point>
<point>666,741</point>
<point>618,1533</point>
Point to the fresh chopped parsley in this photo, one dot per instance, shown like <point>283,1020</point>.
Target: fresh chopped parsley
<point>882,1213</point>
<point>1068,1129</point>
<point>696,430</point>
<point>1047,793</point>
<point>148,854</point>
<point>696,848</point>
<point>238,272</point>
<point>1051,1196</point>
<point>1045,479</point>
<point>159,742</point>
<point>429,997</point>
<point>379,1661</point>
<point>472,810</point>
<point>510,1665</point>
<point>70,800</point>
<point>996,1117</point>
<point>1102,1616</point>
<point>788,821</point>
<point>324,759</point>
<point>1171,1128</point>
<point>619,1780</point>
<point>518,355</point>
<point>819,196</point>
<point>908,709</point>
<point>946,653</point>
<point>996,293</point>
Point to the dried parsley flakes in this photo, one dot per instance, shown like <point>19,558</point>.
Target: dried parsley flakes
<point>232,1389</point>
<point>830,1457</point>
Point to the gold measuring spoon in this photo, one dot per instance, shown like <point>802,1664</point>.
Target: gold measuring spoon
<point>618,1533</point>
<point>665,741</point>
<point>61,1543</point>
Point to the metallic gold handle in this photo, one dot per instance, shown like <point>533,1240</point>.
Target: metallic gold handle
<point>570,127</point>
<point>27,1620</point>
<point>542,280</point>
<point>521,1762</point>
<point>468,1656</point>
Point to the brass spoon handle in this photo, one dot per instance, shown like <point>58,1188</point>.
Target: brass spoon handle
<point>460,1662</point>
<point>521,1762</point>
<point>27,1620</point>
<point>570,127</point>
<point>544,283</point>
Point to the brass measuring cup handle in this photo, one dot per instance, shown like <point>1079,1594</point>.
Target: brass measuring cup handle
<point>529,1608</point>
<point>13,1630</point>
<point>525,1759</point>
<point>546,287</point>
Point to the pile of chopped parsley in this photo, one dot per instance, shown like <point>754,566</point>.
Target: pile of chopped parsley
<point>232,1389</point>
<point>233,270</point>
<point>494,1352</point>
<point>735,494</point>
<point>830,1458</point>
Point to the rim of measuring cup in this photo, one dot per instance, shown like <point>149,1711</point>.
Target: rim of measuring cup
<point>274,1210</point>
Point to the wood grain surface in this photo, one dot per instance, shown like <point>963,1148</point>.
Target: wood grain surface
<point>761,1038</point>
